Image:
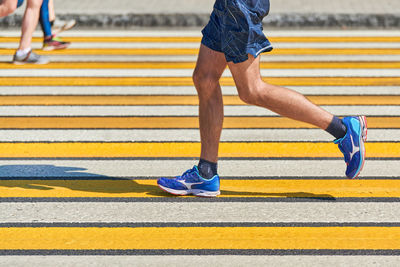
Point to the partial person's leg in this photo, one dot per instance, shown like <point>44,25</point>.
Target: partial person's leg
<point>57,24</point>
<point>24,53</point>
<point>253,90</point>
<point>7,7</point>
<point>50,41</point>
<point>52,13</point>
<point>29,22</point>
<point>44,19</point>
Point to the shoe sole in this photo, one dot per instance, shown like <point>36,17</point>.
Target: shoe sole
<point>195,192</point>
<point>36,63</point>
<point>59,30</point>
<point>363,138</point>
<point>52,48</point>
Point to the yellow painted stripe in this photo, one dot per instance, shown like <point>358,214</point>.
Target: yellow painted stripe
<point>229,188</point>
<point>282,39</point>
<point>187,149</point>
<point>127,39</point>
<point>191,65</point>
<point>187,81</point>
<point>80,238</point>
<point>194,51</point>
<point>168,122</point>
<point>162,100</point>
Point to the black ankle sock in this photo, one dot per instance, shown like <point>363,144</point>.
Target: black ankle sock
<point>337,128</point>
<point>207,169</point>
<point>52,23</point>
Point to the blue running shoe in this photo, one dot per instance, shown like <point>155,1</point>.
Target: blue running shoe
<point>190,183</point>
<point>352,144</point>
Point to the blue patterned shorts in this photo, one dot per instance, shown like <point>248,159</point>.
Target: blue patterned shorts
<point>235,29</point>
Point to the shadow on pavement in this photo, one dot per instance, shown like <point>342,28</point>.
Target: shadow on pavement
<point>48,177</point>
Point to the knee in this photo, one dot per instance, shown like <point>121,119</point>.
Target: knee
<point>8,8</point>
<point>205,82</point>
<point>249,95</point>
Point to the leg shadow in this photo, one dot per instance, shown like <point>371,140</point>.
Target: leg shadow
<point>293,195</point>
<point>48,177</point>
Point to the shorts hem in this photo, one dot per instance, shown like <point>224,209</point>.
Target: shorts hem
<point>210,44</point>
<point>254,51</point>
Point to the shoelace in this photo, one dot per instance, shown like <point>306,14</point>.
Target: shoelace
<point>186,173</point>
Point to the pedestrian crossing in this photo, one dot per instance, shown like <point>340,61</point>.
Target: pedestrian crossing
<point>84,138</point>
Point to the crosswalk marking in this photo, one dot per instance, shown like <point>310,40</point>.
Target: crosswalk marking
<point>317,189</point>
<point>182,122</point>
<point>89,238</point>
<point>182,135</point>
<point>84,138</point>
<point>162,100</point>
<point>262,169</point>
<point>195,45</point>
<point>178,111</point>
<point>185,90</point>
<point>187,81</point>
<point>255,212</point>
<point>185,39</point>
<point>194,51</point>
<point>191,65</point>
<point>371,33</point>
<point>184,73</point>
<point>188,149</point>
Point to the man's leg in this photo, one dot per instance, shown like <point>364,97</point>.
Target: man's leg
<point>351,132</point>
<point>253,90</point>
<point>209,68</point>
<point>203,180</point>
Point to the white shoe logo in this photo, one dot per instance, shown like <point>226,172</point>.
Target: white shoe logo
<point>188,185</point>
<point>354,148</point>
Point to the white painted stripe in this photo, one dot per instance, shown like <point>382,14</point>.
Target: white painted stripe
<point>275,45</point>
<point>255,212</point>
<point>189,72</point>
<point>265,57</point>
<point>187,135</point>
<point>333,33</point>
<point>280,45</point>
<point>203,260</point>
<point>186,90</point>
<point>158,168</point>
<point>197,33</point>
<point>345,58</point>
<point>178,110</point>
